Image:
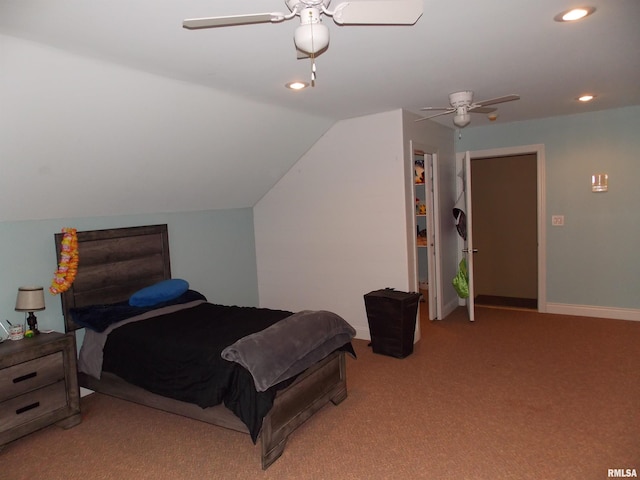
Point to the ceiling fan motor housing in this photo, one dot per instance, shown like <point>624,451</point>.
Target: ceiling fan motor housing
<point>461,99</point>
<point>292,4</point>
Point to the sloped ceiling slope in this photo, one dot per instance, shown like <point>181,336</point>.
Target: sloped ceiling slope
<point>83,137</point>
<point>115,101</point>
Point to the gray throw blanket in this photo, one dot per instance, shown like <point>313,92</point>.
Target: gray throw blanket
<point>289,346</point>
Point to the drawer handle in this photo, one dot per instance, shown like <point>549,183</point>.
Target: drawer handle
<point>27,408</point>
<point>25,377</point>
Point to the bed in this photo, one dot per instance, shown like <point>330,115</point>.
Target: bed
<point>115,264</point>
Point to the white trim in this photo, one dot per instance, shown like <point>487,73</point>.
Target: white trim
<point>538,150</point>
<point>435,294</point>
<point>85,391</point>
<point>411,215</point>
<point>414,282</point>
<point>594,311</point>
<point>450,307</point>
<point>363,333</point>
<point>437,249</point>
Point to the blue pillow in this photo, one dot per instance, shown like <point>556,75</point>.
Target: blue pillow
<point>159,292</point>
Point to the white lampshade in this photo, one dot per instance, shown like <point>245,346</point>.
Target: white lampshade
<point>30,299</point>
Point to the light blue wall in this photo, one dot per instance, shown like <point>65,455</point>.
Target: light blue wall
<point>594,259</point>
<point>214,250</point>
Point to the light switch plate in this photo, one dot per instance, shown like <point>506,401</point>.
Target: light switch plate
<point>557,220</point>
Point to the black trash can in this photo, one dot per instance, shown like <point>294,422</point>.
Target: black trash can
<point>392,321</point>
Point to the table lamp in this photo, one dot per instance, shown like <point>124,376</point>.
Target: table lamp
<point>30,299</point>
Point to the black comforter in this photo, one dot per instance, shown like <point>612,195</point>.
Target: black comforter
<point>178,355</point>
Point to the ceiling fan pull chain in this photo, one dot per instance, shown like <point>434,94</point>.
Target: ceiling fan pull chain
<point>313,71</point>
<point>313,54</point>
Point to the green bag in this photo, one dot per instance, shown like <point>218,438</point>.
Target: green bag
<point>461,280</point>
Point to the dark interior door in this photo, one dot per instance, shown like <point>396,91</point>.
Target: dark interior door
<point>505,230</point>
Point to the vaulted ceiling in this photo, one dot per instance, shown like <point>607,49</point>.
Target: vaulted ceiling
<point>132,113</point>
<point>491,47</point>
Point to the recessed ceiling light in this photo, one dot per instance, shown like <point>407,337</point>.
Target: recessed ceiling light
<point>574,14</point>
<point>586,98</point>
<point>296,85</point>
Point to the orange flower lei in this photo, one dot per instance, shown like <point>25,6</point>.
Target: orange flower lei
<point>68,268</point>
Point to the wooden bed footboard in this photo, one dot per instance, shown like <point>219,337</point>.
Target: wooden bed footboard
<point>326,381</point>
<point>293,406</point>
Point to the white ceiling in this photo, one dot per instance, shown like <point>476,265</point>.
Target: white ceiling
<point>492,47</point>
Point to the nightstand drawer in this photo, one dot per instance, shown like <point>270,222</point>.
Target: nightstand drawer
<point>33,374</point>
<point>24,408</point>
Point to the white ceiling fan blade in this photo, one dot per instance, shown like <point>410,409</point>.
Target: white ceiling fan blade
<point>482,109</point>
<point>506,98</point>
<point>433,116</point>
<point>210,22</point>
<point>378,12</point>
<point>436,108</point>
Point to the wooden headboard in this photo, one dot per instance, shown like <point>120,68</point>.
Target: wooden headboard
<point>115,263</point>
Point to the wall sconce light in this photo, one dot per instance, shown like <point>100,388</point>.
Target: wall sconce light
<point>599,182</point>
<point>30,299</point>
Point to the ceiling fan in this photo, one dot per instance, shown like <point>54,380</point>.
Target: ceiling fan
<point>312,37</point>
<point>462,104</point>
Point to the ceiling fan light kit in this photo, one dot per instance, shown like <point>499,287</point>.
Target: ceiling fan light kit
<point>311,36</point>
<point>462,118</point>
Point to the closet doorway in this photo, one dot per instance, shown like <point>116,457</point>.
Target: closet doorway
<point>426,264</point>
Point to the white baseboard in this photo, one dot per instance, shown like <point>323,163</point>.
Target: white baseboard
<point>450,307</point>
<point>85,391</point>
<point>594,311</point>
<point>362,332</point>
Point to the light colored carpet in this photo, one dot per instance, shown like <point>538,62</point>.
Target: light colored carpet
<point>515,395</point>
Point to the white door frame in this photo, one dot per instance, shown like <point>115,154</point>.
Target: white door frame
<point>434,259</point>
<point>433,235</point>
<point>538,150</point>
<point>466,250</point>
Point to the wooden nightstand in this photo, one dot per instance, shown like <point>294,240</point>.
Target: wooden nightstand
<point>38,384</point>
